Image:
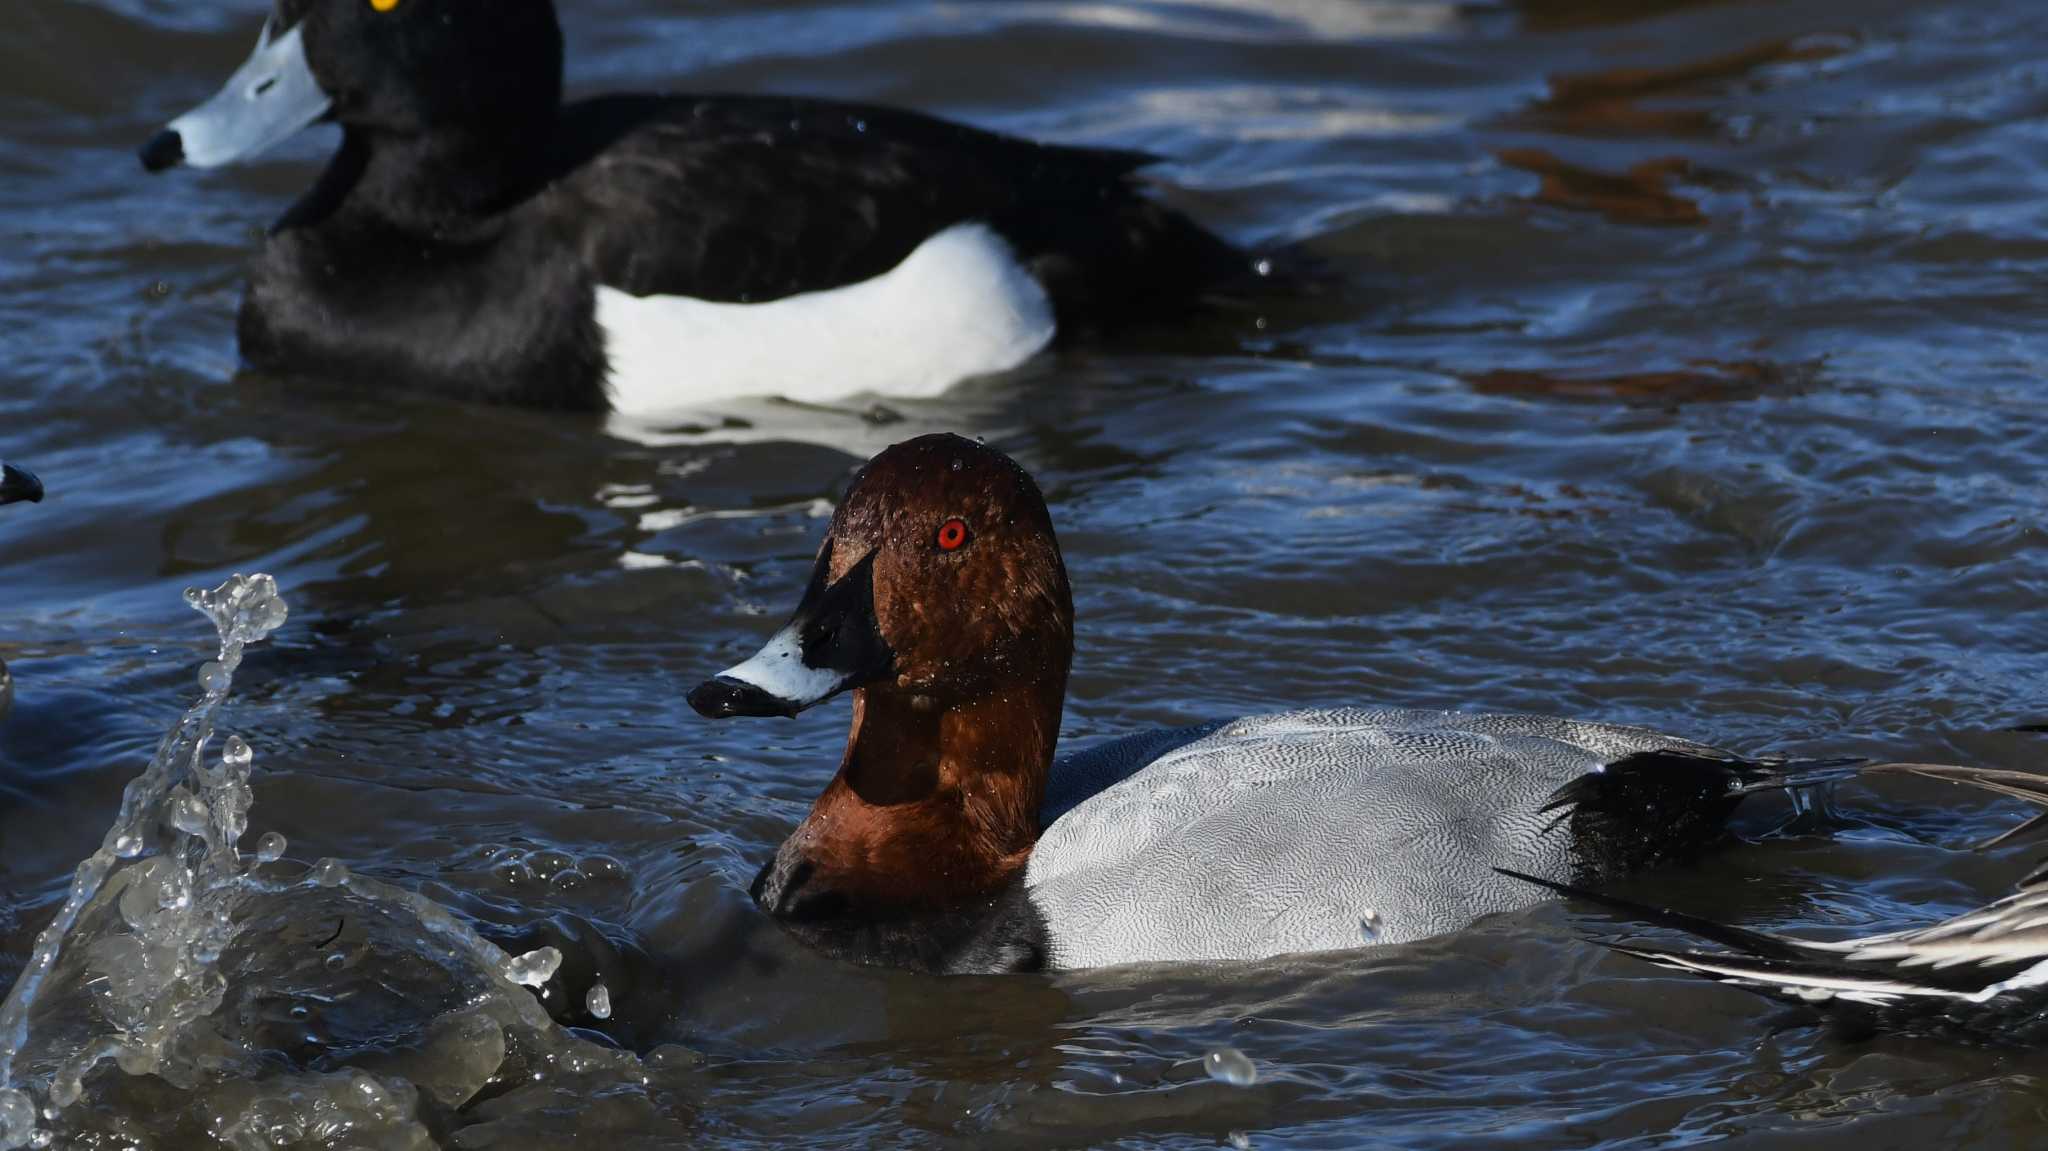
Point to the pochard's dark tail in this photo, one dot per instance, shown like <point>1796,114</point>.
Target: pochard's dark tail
<point>1981,976</point>
<point>1665,806</point>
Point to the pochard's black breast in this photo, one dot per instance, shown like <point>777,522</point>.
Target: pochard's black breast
<point>1001,934</point>
<point>746,199</point>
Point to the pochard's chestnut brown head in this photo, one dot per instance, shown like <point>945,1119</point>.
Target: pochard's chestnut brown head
<point>939,598</point>
<point>939,578</point>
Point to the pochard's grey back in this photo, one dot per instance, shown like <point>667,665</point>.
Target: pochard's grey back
<point>1318,830</point>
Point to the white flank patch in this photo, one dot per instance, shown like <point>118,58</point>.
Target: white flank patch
<point>958,306</point>
<point>779,669</point>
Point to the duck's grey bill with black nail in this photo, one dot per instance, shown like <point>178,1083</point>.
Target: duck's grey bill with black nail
<point>269,98</point>
<point>831,644</point>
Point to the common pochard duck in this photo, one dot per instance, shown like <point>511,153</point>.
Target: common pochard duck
<point>952,840</point>
<point>1980,975</point>
<point>475,236</point>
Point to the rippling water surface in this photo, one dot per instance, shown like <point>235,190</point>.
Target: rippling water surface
<point>1693,380</point>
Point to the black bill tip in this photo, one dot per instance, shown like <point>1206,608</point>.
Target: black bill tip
<point>19,485</point>
<point>723,697</point>
<point>165,150</point>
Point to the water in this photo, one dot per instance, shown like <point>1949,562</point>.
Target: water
<point>1695,384</point>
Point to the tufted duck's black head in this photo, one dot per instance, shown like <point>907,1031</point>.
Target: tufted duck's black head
<point>464,77</point>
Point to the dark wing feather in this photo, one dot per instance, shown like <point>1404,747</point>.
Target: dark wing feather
<point>752,198</point>
<point>1655,807</point>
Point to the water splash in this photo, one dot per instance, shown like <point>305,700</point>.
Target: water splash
<point>324,1009</point>
<point>150,945</point>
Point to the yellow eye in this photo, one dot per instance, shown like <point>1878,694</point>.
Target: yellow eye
<point>384,5</point>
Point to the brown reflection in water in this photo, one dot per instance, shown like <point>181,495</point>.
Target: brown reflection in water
<point>1559,15</point>
<point>1699,381</point>
<point>1642,195</point>
<point>1609,103</point>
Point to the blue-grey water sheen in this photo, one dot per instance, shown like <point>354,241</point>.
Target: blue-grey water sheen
<point>1693,380</point>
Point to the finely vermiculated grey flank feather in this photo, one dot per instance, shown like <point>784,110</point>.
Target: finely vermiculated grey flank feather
<point>1311,831</point>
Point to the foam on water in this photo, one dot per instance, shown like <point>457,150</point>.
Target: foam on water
<point>282,1007</point>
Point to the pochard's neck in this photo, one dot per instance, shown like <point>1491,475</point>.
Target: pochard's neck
<point>424,185</point>
<point>934,805</point>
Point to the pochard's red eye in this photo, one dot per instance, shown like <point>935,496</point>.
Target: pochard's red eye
<point>953,535</point>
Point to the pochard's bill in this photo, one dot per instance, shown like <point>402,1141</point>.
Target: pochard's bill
<point>951,838</point>
<point>476,237</point>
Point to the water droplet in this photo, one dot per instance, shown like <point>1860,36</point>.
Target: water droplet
<point>599,1001</point>
<point>568,880</point>
<point>545,864</point>
<point>328,873</point>
<point>174,893</point>
<point>127,845</point>
<point>17,1117</point>
<point>1369,925</point>
<point>534,968</point>
<point>236,754</point>
<point>270,848</point>
<point>41,1139</point>
<point>371,1092</point>
<point>1229,1065</point>
<point>957,465</point>
<point>213,678</point>
<point>137,1060</point>
<point>188,813</point>
<point>1263,267</point>
<point>1240,1140</point>
<point>602,867</point>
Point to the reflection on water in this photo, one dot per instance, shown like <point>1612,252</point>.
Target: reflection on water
<point>1670,101</point>
<point>1703,380</point>
<point>1686,374</point>
<point>1641,195</point>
